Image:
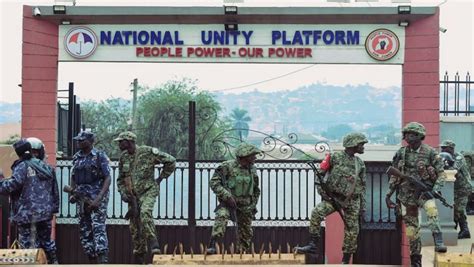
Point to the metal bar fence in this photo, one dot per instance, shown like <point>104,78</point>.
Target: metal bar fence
<point>456,98</point>
<point>288,193</point>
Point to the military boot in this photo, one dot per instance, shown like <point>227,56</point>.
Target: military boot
<point>311,247</point>
<point>52,257</point>
<point>92,259</point>
<point>438,240</point>
<point>464,233</point>
<point>346,258</point>
<point>103,258</point>
<point>155,246</point>
<point>211,248</point>
<point>139,258</point>
<point>415,260</point>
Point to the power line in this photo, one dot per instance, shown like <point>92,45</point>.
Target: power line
<point>264,81</point>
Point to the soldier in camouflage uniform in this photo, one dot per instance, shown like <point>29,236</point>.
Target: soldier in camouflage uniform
<point>462,188</point>
<point>417,160</point>
<point>235,182</point>
<point>34,182</point>
<point>137,179</point>
<point>346,183</point>
<point>91,177</point>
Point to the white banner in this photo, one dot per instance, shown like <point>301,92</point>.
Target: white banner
<point>252,43</point>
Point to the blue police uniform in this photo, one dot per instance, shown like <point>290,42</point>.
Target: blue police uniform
<point>89,172</point>
<point>37,199</point>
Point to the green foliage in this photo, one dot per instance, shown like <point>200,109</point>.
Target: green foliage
<point>164,119</point>
<point>106,119</point>
<point>240,120</point>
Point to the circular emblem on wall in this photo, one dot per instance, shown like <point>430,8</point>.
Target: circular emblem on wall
<point>382,44</point>
<point>80,42</point>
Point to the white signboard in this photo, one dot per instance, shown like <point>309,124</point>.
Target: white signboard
<point>253,43</point>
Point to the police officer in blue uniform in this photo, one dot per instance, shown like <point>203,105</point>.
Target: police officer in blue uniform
<point>34,184</point>
<point>91,178</point>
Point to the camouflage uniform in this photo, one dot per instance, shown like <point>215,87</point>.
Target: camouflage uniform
<point>462,189</point>
<point>37,202</point>
<point>233,180</point>
<point>140,166</point>
<point>423,162</point>
<point>346,181</point>
<point>89,173</point>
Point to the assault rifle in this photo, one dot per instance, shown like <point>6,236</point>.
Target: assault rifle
<point>326,193</point>
<point>420,187</point>
<point>83,200</point>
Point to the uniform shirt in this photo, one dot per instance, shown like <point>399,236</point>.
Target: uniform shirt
<point>230,178</point>
<point>408,161</point>
<point>38,191</point>
<point>463,177</point>
<point>98,164</point>
<point>347,176</point>
<point>140,166</point>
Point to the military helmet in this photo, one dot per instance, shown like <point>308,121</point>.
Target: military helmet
<point>85,135</point>
<point>353,139</point>
<point>22,147</point>
<point>448,143</point>
<point>246,149</point>
<point>127,135</point>
<point>36,143</point>
<point>414,127</point>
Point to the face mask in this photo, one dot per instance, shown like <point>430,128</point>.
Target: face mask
<point>413,138</point>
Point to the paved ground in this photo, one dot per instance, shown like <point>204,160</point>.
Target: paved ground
<point>464,246</point>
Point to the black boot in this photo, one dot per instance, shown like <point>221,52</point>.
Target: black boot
<point>464,233</point>
<point>154,246</point>
<point>52,257</point>
<point>211,248</point>
<point>415,260</point>
<point>92,259</point>
<point>139,258</point>
<point>346,258</point>
<point>438,240</point>
<point>311,247</point>
<point>103,258</point>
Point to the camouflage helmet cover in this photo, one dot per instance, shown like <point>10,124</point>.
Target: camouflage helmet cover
<point>448,143</point>
<point>414,127</point>
<point>353,139</point>
<point>246,149</point>
<point>127,135</point>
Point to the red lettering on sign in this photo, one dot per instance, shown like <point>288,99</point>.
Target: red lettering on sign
<point>290,52</point>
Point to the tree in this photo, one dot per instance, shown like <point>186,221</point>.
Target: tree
<point>164,119</point>
<point>106,119</point>
<point>240,120</point>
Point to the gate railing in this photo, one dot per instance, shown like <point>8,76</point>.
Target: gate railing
<point>288,194</point>
<point>455,96</point>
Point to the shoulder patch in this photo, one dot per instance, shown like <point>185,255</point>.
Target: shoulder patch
<point>155,151</point>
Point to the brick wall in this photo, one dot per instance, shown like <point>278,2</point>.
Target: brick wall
<point>39,81</point>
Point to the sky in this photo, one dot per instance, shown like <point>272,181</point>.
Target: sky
<point>114,79</point>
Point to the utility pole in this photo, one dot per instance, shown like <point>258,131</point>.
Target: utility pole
<point>134,104</point>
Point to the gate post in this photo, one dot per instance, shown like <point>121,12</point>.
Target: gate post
<point>192,174</point>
